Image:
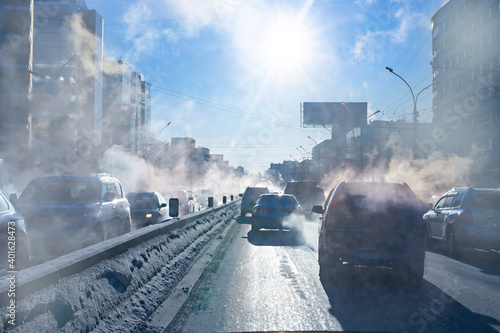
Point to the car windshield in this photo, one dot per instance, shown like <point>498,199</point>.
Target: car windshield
<point>57,189</point>
<point>142,200</point>
<point>398,100</point>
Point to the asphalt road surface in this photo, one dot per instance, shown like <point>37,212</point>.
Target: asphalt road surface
<point>268,281</point>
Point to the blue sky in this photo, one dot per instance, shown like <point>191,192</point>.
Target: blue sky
<point>232,73</point>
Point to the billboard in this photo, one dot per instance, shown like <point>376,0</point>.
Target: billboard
<point>332,113</point>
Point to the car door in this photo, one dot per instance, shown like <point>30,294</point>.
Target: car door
<point>438,216</point>
<point>109,217</point>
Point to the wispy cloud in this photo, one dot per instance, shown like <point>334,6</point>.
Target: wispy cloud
<point>387,26</point>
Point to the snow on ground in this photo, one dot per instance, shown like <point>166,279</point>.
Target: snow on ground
<point>118,295</point>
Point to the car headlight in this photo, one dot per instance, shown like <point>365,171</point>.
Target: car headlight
<point>149,215</point>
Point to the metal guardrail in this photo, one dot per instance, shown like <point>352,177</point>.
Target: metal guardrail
<point>36,278</point>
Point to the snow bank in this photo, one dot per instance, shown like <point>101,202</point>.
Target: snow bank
<point>118,294</point>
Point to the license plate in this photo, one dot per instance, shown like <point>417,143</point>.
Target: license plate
<point>374,255</point>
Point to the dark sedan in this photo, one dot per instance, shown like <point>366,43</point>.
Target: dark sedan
<point>273,210</point>
<point>147,208</point>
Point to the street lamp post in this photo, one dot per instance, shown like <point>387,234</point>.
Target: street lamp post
<point>313,140</point>
<point>415,113</point>
<point>362,140</point>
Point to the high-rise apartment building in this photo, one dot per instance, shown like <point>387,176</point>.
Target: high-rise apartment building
<point>67,62</point>
<point>126,107</point>
<point>16,65</point>
<point>466,68</point>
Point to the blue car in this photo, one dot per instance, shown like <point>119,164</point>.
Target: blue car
<point>273,210</point>
<point>147,208</point>
<point>66,213</point>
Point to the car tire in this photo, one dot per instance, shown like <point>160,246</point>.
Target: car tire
<point>415,275</point>
<point>22,254</point>
<point>453,249</point>
<point>255,228</point>
<point>429,241</point>
<point>242,214</point>
<point>127,225</point>
<point>98,234</point>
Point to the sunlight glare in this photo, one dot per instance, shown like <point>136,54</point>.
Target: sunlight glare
<point>285,46</point>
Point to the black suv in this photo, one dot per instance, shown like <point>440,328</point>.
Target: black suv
<point>307,192</point>
<point>65,213</point>
<point>250,198</point>
<point>372,224</point>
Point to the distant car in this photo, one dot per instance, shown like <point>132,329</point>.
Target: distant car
<point>13,238</point>
<point>202,201</point>
<point>187,204</point>
<point>250,198</point>
<point>272,211</point>
<point>147,208</point>
<point>465,217</point>
<point>65,213</point>
<point>308,194</point>
<point>372,224</point>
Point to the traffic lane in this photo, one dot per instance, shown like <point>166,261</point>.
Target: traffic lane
<point>269,281</point>
<point>472,281</point>
<point>269,287</point>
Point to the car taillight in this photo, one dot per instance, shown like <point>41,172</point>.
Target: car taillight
<point>260,210</point>
<point>466,217</point>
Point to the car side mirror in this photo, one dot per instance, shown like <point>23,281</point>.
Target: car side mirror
<point>163,204</point>
<point>109,196</point>
<point>429,206</point>
<point>173,207</point>
<point>318,209</point>
<point>190,198</point>
<point>13,199</point>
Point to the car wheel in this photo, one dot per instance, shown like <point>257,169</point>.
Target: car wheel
<point>242,214</point>
<point>452,247</point>
<point>127,225</point>
<point>429,241</point>
<point>22,254</point>
<point>416,275</point>
<point>97,234</point>
<point>255,228</point>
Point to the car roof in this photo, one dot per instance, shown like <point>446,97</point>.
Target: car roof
<point>99,176</point>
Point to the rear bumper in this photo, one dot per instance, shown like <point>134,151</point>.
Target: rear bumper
<point>472,236</point>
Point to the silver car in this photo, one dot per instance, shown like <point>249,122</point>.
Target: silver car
<point>465,217</point>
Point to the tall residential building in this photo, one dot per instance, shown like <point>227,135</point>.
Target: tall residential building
<point>126,107</point>
<point>67,57</point>
<point>16,65</point>
<point>466,67</point>
<point>118,110</point>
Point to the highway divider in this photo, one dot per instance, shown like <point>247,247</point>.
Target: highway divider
<point>36,278</point>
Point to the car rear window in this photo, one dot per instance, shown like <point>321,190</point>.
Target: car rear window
<point>73,189</point>
<point>396,194</point>
<point>142,201</point>
<point>486,200</point>
<point>278,199</point>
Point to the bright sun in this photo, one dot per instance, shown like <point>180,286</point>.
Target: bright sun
<point>285,46</point>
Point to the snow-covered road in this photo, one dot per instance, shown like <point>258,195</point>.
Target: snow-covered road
<point>118,294</point>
